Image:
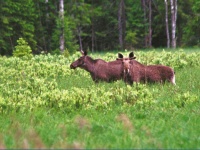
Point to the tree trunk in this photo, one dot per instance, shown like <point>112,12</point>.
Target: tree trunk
<point>93,32</point>
<point>173,18</point>
<point>145,29</point>
<point>61,17</point>
<point>47,26</point>
<point>150,23</point>
<point>167,24</point>
<point>92,36</point>
<point>121,23</point>
<point>79,37</point>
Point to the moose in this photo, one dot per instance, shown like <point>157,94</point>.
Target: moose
<point>99,69</point>
<point>133,71</point>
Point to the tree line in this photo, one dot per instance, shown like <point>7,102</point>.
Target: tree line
<point>55,26</point>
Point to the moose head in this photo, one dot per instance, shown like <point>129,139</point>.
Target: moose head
<point>126,62</point>
<point>80,62</point>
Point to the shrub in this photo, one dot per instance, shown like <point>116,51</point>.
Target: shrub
<point>66,53</point>
<point>22,49</point>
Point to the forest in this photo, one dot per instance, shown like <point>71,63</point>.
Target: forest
<point>55,26</point>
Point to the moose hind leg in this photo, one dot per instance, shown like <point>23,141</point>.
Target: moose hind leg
<point>173,80</point>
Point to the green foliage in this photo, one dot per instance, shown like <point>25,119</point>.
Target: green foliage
<point>71,45</point>
<point>56,52</point>
<point>190,28</point>
<point>66,53</point>
<point>135,25</point>
<point>22,49</point>
<point>70,42</point>
<point>18,21</point>
<point>131,39</point>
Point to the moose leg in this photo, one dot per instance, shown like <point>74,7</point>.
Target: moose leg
<point>173,80</point>
<point>95,79</point>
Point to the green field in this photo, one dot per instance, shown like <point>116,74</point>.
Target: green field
<point>45,104</point>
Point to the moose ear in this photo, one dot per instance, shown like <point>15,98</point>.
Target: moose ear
<point>120,55</point>
<point>84,52</point>
<point>131,55</point>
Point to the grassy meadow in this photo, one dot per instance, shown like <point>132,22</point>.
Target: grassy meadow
<point>45,104</point>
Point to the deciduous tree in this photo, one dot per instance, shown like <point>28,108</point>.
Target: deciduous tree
<point>61,17</point>
<point>167,23</point>
<point>173,21</point>
<point>121,23</point>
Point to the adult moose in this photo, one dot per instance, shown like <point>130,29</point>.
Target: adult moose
<point>133,71</point>
<point>99,69</point>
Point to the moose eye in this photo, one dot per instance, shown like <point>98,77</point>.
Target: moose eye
<point>80,59</point>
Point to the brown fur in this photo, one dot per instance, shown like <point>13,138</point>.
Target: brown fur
<point>99,69</point>
<point>137,72</point>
